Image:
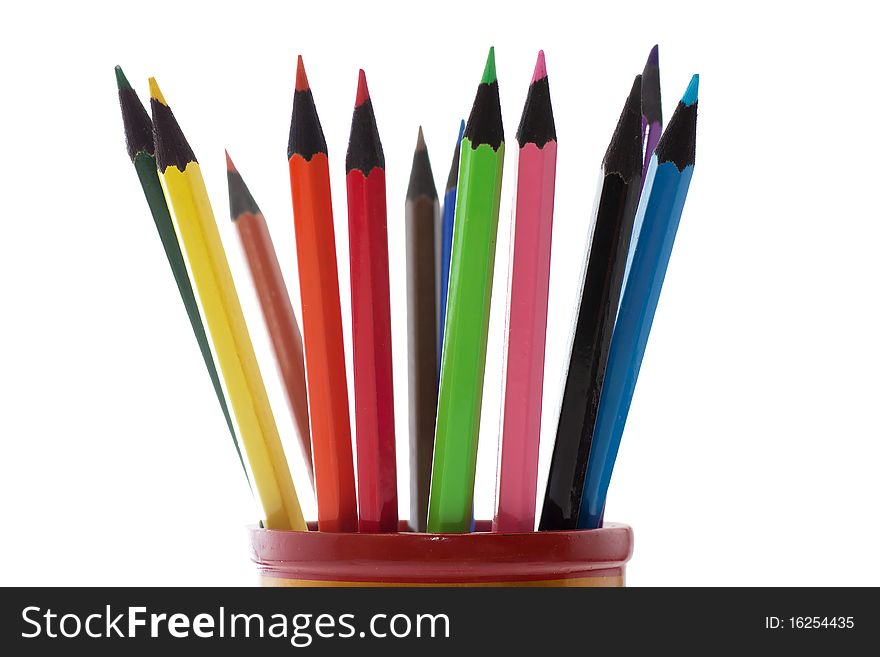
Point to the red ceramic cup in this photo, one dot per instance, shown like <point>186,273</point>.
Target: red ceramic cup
<point>595,557</point>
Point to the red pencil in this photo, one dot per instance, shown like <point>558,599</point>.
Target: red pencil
<point>371,320</point>
<point>322,318</point>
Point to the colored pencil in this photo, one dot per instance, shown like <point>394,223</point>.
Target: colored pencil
<point>322,320</point>
<point>661,206</point>
<point>527,310</point>
<point>467,320</point>
<point>447,225</point>
<point>652,127</point>
<point>139,141</point>
<point>194,220</point>
<point>422,211</point>
<point>371,320</point>
<point>259,252</point>
<point>652,109</point>
<point>615,209</point>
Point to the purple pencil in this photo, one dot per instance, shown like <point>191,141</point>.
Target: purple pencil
<point>652,127</point>
<point>652,112</point>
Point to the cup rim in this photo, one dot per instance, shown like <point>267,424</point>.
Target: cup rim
<point>422,557</point>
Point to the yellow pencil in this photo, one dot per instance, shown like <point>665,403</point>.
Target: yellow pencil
<point>197,231</point>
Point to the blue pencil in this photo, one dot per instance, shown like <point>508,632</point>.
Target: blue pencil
<point>448,222</point>
<point>665,191</point>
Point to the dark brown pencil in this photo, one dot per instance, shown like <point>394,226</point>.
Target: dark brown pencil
<point>422,217</point>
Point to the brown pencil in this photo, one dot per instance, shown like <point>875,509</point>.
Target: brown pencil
<point>274,302</point>
<point>422,217</point>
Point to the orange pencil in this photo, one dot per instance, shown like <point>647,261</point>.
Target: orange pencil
<point>322,321</point>
<point>274,302</point>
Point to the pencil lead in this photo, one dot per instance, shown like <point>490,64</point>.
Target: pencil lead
<point>363,94</point>
<point>172,149</point>
<point>690,94</point>
<point>540,68</point>
<point>306,134</point>
<point>679,140</point>
<point>364,146</point>
<point>537,125</point>
<point>156,93</point>
<point>240,199</point>
<point>624,154</point>
<point>652,109</point>
<point>452,179</point>
<point>122,81</point>
<point>421,177</point>
<point>302,82</point>
<point>489,75</point>
<point>136,122</point>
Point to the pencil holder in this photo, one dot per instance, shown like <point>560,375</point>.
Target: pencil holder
<point>595,557</point>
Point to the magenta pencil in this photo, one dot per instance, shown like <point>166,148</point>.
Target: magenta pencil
<point>527,310</point>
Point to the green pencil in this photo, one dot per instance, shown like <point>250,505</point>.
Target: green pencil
<point>467,315</point>
<point>139,140</point>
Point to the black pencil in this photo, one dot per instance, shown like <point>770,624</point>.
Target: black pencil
<point>618,197</point>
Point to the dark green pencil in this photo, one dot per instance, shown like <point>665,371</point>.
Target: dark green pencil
<point>139,140</point>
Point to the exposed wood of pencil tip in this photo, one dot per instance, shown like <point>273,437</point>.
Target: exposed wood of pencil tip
<point>679,141</point>
<point>172,148</point>
<point>452,178</point>
<point>364,146</point>
<point>240,199</point>
<point>306,134</point>
<point>537,125</point>
<point>652,109</point>
<point>484,125</point>
<point>624,154</point>
<point>421,178</point>
<point>135,120</point>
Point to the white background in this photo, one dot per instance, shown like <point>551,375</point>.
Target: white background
<point>752,448</point>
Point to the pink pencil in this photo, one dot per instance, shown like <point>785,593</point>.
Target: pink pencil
<point>527,310</point>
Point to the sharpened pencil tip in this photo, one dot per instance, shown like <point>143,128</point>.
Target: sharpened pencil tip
<point>156,92</point>
<point>690,94</point>
<point>122,81</point>
<point>678,142</point>
<point>624,154</point>
<point>240,199</point>
<point>452,179</point>
<point>364,145</point>
<point>540,68</point>
<point>302,82</point>
<point>421,178</point>
<point>489,75</point>
<point>172,148</point>
<point>363,93</point>
<point>652,107</point>
<point>537,125</point>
